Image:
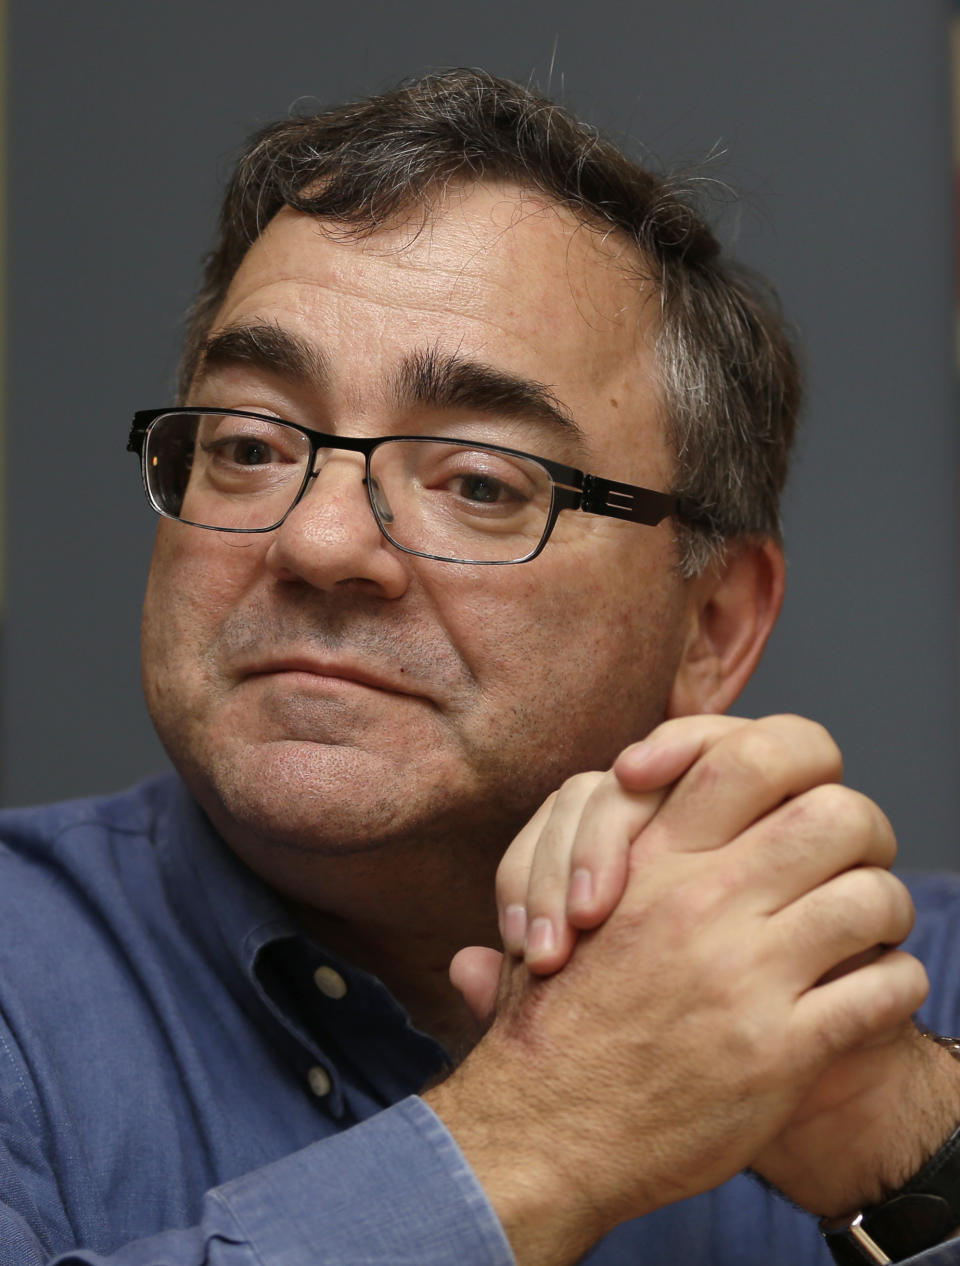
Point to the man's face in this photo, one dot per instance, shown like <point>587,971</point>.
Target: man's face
<point>320,689</point>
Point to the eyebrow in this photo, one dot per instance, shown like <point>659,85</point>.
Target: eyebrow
<point>441,380</point>
<point>428,378</point>
<point>266,347</point>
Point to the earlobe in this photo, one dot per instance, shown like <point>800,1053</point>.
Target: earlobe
<point>733,608</point>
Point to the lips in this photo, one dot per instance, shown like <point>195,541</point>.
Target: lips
<point>338,670</point>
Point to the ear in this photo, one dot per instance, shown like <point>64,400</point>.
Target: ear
<point>733,608</point>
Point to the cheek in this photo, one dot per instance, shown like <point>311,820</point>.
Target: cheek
<point>583,638</point>
<point>196,579</point>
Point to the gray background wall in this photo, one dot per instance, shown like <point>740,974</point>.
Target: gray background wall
<point>831,117</point>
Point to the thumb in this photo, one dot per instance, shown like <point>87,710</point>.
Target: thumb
<point>667,752</point>
<point>475,971</point>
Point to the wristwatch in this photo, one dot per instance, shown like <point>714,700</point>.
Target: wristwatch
<point>925,1211</point>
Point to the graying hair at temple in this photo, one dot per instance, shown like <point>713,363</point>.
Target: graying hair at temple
<point>729,376</point>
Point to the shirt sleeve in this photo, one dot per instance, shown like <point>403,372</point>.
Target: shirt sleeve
<point>393,1190</point>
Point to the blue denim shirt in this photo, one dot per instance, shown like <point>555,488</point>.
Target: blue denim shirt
<point>180,1087</point>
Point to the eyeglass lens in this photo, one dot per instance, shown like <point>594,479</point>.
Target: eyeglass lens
<point>441,498</point>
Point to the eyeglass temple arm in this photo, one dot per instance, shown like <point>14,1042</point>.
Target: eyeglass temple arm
<point>625,501</point>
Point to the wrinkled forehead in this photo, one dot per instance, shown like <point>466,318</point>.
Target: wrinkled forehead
<point>472,227</point>
<point>525,228</point>
<point>493,273</point>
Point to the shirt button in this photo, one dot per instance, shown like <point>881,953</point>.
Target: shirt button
<point>319,1080</point>
<point>330,983</point>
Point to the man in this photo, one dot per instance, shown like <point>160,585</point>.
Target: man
<point>389,616</point>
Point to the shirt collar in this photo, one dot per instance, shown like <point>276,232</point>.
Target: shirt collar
<point>244,928</point>
<point>230,911</point>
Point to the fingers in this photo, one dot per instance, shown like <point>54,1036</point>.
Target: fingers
<point>739,776</point>
<point>808,840</point>
<point>668,751</point>
<point>567,868</point>
<point>513,875</point>
<point>761,790</point>
<point>579,869</point>
<point>600,851</point>
<point>838,927</point>
<point>550,936</point>
<point>857,1008</point>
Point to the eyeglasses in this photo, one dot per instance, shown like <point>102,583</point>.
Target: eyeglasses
<point>446,499</point>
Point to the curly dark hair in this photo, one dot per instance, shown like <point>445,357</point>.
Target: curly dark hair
<point>729,375</point>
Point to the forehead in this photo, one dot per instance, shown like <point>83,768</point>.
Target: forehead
<point>494,274</point>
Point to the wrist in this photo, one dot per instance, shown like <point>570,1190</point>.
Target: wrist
<point>885,1111</point>
<point>532,1185</point>
<point>922,1212</point>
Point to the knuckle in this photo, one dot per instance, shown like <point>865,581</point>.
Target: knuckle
<point>814,737</point>
<point>840,810</point>
<point>756,754</point>
<point>850,810</point>
<point>830,753</point>
<point>607,795</point>
<point>604,787</point>
<point>906,910</point>
<point>893,903</point>
<point>863,909</point>
<point>905,986</point>
<point>760,747</point>
<point>577,788</point>
<point>871,901</point>
<point>780,748</point>
<point>917,982</point>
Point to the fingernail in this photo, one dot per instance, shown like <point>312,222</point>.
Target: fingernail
<point>514,928</point>
<point>540,938</point>
<point>581,887</point>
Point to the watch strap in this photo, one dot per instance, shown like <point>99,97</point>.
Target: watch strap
<point>925,1211</point>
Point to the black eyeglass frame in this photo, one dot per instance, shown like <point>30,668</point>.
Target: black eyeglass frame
<point>572,489</point>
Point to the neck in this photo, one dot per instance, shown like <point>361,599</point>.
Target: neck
<point>403,923</point>
<point>413,966</point>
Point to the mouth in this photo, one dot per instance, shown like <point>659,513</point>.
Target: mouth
<point>316,671</point>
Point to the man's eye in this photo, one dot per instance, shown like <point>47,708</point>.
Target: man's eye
<point>250,453</point>
<point>484,488</point>
<point>242,451</point>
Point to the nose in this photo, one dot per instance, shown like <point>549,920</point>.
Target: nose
<point>331,537</point>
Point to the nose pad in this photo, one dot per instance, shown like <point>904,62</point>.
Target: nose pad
<point>334,537</point>
<point>343,494</point>
<point>335,461</point>
<point>379,501</point>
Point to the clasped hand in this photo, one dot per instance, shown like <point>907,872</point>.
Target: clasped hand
<point>699,976</point>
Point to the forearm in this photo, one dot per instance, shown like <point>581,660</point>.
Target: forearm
<point>531,1183</point>
<point>395,1188</point>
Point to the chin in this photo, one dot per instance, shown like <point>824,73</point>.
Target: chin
<point>321,800</point>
